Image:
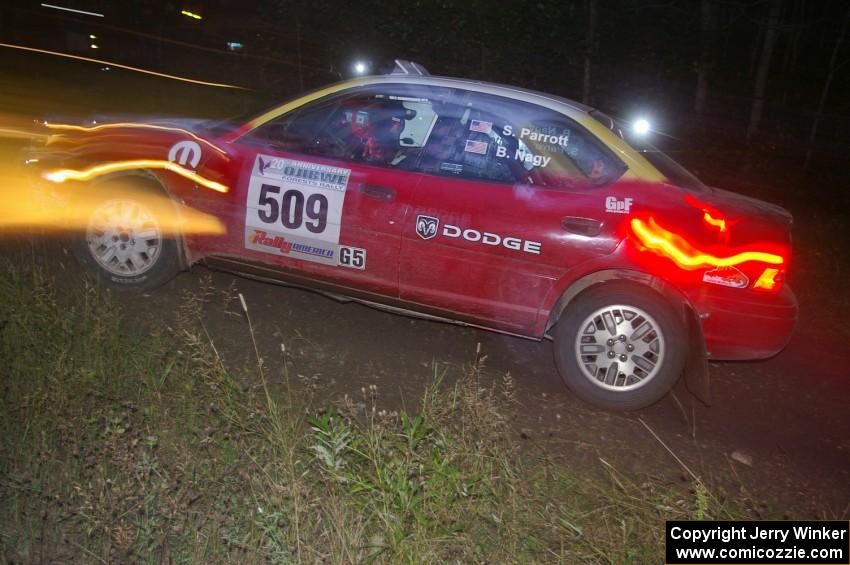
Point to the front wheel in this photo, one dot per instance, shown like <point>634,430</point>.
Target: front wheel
<point>620,346</point>
<point>125,242</point>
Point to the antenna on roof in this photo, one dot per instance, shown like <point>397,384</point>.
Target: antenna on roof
<point>403,67</point>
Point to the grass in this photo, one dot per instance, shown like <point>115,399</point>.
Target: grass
<point>141,445</point>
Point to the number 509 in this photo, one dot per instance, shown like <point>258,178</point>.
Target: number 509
<point>292,207</point>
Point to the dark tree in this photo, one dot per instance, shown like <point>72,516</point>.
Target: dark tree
<point>706,56</point>
<point>770,36</point>
<point>830,74</point>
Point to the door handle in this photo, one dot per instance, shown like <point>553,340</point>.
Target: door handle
<point>582,226</point>
<point>376,192</point>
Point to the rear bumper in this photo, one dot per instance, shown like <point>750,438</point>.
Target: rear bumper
<point>755,326</point>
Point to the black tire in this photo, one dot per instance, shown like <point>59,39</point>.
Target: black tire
<point>162,264</point>
<point>614,390</point>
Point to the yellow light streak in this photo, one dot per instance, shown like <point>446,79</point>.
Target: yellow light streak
<point>21,133</point>
<point>137,125</point>
<point>24,209</point>
<point>767,280</point>
<point>63,175</point>
<point>120,66</point>
<point>657,238</point>
<point>192,15</point>
<point>720,223</point>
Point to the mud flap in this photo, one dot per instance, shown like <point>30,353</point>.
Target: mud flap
<point>696,365</point>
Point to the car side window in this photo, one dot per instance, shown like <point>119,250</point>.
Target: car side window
<point>550,148</point>
<point>376,128</point>
<point>496,139</point>
<point>465,143</point>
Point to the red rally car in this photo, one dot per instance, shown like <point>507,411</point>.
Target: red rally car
<point>486,205</point>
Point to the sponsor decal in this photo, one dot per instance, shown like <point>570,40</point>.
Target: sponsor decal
<point>312,250</point>
<point>301,172</point>
<point>726,276</point>
<point>453,168</point>
<point>426,226</point>
<point>261,238</point>
<point>279,244</point>
<point>299,201</point>
<point>480,126</point>
<point>185,153</point>
<point>261,165</point>
<point>614,206</point>
<point>479,147</point>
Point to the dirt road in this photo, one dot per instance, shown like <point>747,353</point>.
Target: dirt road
<point>788,415</point>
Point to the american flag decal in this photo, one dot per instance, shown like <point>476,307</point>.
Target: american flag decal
<point>480,126</point>
<point>479,147</point>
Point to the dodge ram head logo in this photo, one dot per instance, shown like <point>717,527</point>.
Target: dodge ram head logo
<point>185,152</point>
<point>426,226</point>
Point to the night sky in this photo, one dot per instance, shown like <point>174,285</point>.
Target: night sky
<point>694,66</point>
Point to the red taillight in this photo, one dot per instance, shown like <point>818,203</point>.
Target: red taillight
<point>769,281</point>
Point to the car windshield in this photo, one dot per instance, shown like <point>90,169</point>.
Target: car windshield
<point>219,127</point>
<point>666,165</point>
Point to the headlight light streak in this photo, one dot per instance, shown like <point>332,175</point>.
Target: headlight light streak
<point>61,175</point>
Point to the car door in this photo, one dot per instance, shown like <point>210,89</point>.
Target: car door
<point>324,192</point>
<point>501,214</point>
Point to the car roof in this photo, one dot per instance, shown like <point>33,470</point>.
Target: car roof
<point>475,85</point>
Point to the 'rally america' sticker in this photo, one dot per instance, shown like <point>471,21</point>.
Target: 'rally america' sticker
<point>294,208</point>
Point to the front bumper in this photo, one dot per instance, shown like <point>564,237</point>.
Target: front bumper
<point>742,326</point>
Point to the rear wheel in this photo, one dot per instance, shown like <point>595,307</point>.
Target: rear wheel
<point>125,242</point>
<point>620,346</point>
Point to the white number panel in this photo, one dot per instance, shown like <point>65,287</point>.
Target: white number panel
<point>294,208</point>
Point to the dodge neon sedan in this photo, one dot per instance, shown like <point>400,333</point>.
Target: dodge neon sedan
<point>462,201</point>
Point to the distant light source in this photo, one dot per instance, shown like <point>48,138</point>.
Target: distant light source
<point>235,45</point>
<point>92,36</point>
<point>641,126</point>
<point>192,15</point>
<point>360,67</point>
<point>94,46</point>
<point>55,7</point>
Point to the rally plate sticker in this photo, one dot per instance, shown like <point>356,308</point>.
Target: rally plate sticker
<point>294,208</point>
<point>352,257</point>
